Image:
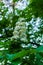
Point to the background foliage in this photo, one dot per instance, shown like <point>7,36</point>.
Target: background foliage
<point>21,33</point>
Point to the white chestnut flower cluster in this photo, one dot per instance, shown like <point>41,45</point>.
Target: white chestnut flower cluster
<point>20,31</point>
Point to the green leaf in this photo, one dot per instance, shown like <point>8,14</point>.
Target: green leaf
<point>40,49</point>
<point>17,55</point>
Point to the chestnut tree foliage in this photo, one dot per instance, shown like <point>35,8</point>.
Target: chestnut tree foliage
<point>21,33</point>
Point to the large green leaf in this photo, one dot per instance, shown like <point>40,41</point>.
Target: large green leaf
<point>17,55</point>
